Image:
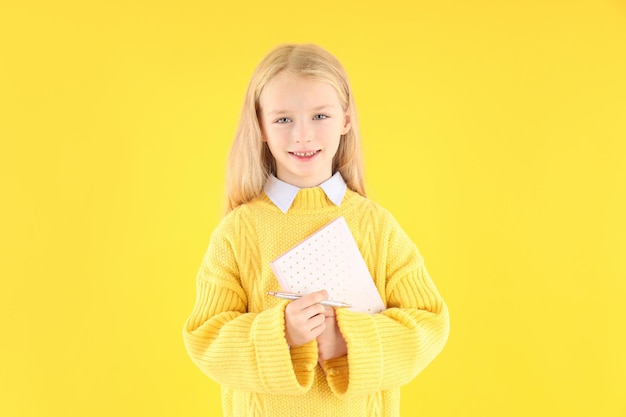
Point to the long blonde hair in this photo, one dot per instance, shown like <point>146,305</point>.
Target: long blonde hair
<point>250,162</point>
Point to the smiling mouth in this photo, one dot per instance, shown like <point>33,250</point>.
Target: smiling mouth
<point>304,154</point>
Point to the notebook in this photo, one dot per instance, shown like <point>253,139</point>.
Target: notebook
<point>329,259</point>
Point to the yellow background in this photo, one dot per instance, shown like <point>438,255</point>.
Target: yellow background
<point>495,131</point>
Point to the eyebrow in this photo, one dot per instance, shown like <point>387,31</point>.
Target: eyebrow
<point>318,108</point>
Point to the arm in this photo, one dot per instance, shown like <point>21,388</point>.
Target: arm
<point>388,350</point>
<point>236,348</point>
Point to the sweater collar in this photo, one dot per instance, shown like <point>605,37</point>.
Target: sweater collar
<point>283,194</point>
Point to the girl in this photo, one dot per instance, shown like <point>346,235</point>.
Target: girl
<point>294,166</point>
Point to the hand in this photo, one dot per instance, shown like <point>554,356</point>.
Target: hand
<point>305,319</point>
<point>330,343</point>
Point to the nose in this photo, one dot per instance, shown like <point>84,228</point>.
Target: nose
<point>302,132</point>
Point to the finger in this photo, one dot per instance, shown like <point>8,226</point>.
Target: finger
<point>304,302</point>
<point>313,310</point>
<point>318,330</point>
<point>310,299</point>
<point>316,321</point>
<point>301,318</point>
<point>329,311</point>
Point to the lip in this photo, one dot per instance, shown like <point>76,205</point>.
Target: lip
<point>308,154</point>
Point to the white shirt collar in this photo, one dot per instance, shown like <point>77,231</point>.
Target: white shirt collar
<point>283,194</point>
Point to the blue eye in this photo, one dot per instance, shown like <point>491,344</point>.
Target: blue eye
<point>320,117</point>
<point>283,120</point>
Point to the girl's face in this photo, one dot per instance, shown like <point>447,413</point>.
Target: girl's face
<point>302,121</point>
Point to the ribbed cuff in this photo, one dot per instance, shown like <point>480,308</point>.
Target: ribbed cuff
<point>282,370</point>
<point>361,371</point>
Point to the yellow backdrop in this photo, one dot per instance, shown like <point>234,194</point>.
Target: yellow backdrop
<point>495,131</point>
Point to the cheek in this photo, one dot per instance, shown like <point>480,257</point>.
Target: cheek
<point>276,136</point>
<point>333,131</point>
<point>268,130</point>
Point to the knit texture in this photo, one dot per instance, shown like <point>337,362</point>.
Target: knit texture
<point>236,333</point>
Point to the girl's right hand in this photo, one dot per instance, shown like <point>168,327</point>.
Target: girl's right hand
<point>305,318</point>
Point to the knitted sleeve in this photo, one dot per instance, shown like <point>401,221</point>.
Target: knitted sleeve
<point>388,350</point>
<point>237,349</point>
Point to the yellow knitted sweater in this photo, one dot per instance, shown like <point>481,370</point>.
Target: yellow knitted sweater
<point>236,333</point>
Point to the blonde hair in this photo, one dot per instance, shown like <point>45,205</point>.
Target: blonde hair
<point>250,162</point>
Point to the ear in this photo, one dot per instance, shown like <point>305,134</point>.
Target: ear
<point>347,124</point>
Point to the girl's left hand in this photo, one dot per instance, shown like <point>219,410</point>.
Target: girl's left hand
<point>330,343</point>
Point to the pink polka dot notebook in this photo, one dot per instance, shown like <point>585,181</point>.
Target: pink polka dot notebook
<point>329,259</point>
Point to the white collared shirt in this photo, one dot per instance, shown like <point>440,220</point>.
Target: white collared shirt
<point>283,194</point>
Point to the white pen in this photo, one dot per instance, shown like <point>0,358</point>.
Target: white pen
<point>291,296</point>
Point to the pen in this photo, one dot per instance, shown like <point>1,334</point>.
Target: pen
<point>291,296</point>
